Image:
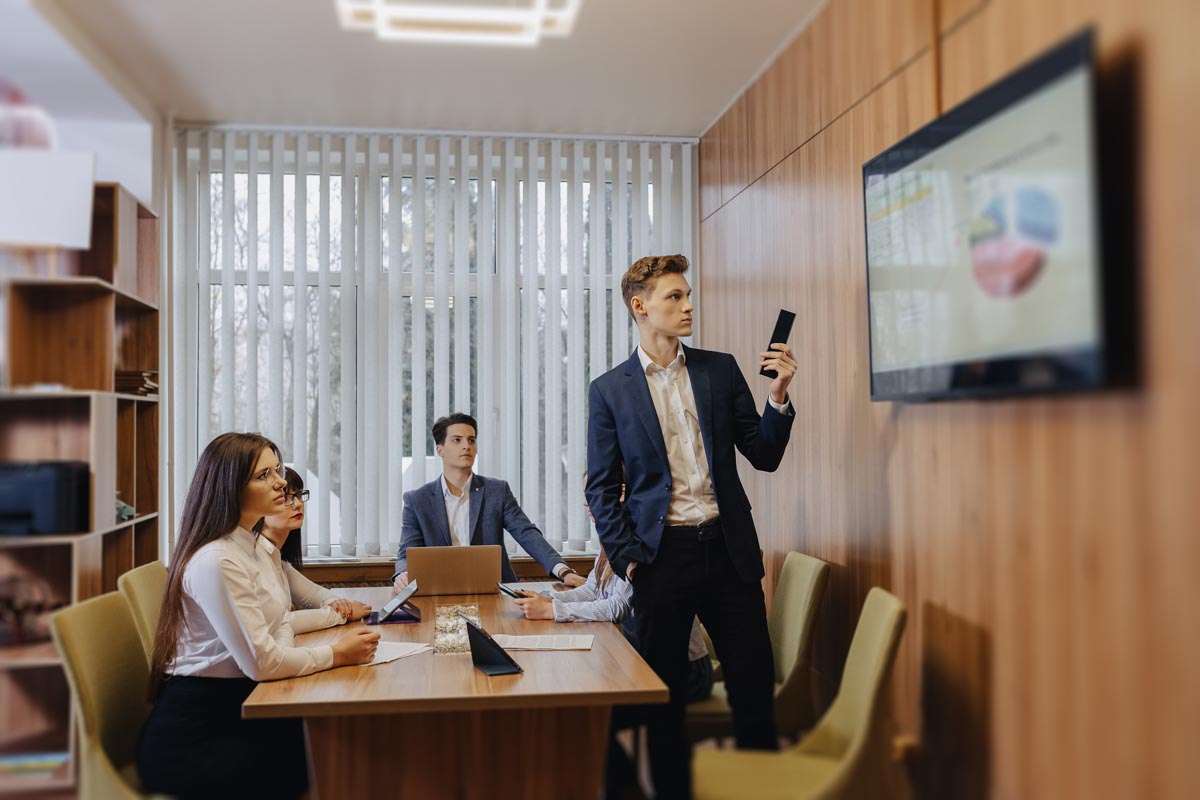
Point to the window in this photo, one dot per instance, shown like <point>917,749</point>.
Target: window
<point>340,292</point>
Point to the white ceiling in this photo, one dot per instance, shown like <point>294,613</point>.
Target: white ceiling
<point>40,62</point>
<point>639,67</point>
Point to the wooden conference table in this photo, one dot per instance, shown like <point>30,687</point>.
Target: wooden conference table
<point>433,726</point>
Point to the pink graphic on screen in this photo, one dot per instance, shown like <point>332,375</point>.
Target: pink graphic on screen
<point>1009,241</point>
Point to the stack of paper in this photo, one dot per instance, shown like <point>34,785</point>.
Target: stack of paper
<point>554,642</point>
<point>390,651</point>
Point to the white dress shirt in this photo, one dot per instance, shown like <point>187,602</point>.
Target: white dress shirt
<point>314,602</point>
<point>458,511</point>
<point>236,614</point>
<point>692,498</point>
<point>458,514</point>
<point>588,603</point>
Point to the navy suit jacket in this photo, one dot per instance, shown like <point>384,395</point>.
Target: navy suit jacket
<point>623,432</point>
<point>494,510</point>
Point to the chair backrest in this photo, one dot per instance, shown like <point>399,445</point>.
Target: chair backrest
<point>793,614</point>
<point>108,676</point>
<point>144,588</point>
<point>853,730</point>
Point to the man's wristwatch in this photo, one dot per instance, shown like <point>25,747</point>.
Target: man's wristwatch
<point>563,575</point>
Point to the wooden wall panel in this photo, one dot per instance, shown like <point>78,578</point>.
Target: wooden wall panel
<point>735,151</point>
<point>1045,548</point>
<point>710,171</point>
<point>848,49</point>
<point>773,109</point>
<point>952,13</point>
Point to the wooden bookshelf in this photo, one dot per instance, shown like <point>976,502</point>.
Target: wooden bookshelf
<point>72,320</point>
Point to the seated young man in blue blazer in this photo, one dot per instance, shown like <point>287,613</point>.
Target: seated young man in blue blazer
<point>461,508</point>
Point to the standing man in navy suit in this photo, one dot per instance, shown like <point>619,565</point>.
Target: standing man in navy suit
<point>461,508</point>
<point>666,424</point>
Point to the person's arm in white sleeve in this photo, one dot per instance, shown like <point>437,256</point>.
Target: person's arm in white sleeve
<point>314,619</point>
<point>305,593</point>
<point>614,605</point>
<point>588,591</point>
<point>225,593</point>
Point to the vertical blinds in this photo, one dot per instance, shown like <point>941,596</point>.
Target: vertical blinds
<point>338,292</point>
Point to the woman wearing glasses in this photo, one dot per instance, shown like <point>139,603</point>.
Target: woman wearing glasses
<point>319,607</point>
<point>223,628</point>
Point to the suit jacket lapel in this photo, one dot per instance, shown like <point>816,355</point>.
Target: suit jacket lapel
<point>476,507</point>
<point>437,507</point>
<point>639,390</point>
<point>702,391</point>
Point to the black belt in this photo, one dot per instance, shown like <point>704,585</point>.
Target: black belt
<point>705,532</point>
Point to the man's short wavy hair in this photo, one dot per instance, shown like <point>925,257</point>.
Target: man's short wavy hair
<point>641,277</point>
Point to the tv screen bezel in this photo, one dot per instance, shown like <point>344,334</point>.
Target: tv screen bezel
<point>1047,372</point>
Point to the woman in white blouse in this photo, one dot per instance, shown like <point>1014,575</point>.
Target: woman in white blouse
<point>224,627</point>
<point>317,606</point>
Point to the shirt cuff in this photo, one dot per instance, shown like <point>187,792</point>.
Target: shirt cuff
<point>560,568</point>
<point>785,408</point>
<point>561,614</point>
<point>323,656</point>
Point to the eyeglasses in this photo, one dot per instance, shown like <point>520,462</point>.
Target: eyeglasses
<point>270,473</point>
<point>291,498</point>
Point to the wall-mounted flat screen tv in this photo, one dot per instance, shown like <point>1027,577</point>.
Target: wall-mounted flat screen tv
<point>983,256</point>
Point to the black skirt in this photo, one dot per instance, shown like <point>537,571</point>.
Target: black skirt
<point>196,744</point>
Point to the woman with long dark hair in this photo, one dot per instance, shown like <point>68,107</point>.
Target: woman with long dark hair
<point>223,628</point>
<point>318,607</point>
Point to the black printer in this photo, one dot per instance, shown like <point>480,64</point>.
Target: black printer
<point>44,497</point>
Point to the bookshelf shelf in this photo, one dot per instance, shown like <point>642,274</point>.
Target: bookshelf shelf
<point>26,656</point>
<point>58,539</point>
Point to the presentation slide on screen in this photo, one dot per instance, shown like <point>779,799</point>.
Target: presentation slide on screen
<point>985,247</point>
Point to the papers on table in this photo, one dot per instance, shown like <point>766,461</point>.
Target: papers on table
<point>390,651</point>
<point>553,642</point>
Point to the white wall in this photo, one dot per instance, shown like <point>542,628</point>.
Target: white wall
<point>123,151</point>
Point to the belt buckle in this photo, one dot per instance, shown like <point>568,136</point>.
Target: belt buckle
<point>706,533</point>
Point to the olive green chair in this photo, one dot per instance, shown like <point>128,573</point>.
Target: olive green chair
<point>790,625</point>
<point>108,676</point>
<point>846,754</point>
<point>144,588</point>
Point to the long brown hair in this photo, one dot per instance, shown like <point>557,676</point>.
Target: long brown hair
<point>604,570</point>
<point>212,509</point>
<point>293,550</point>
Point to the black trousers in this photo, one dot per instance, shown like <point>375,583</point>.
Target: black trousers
<point>196,744</point>
<point>688,578</point>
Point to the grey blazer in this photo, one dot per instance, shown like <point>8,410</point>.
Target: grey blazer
<point>493,511</point>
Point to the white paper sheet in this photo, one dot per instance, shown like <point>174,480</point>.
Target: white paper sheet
<point>554,642</point>
<point>390,651</point>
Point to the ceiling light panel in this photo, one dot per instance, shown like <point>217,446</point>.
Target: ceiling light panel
<point>520,23</point>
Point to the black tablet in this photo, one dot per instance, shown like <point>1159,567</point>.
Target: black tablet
<point>487,656</point>
<point>395,604</point>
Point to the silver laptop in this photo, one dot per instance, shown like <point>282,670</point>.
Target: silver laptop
<point>455,570</point>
